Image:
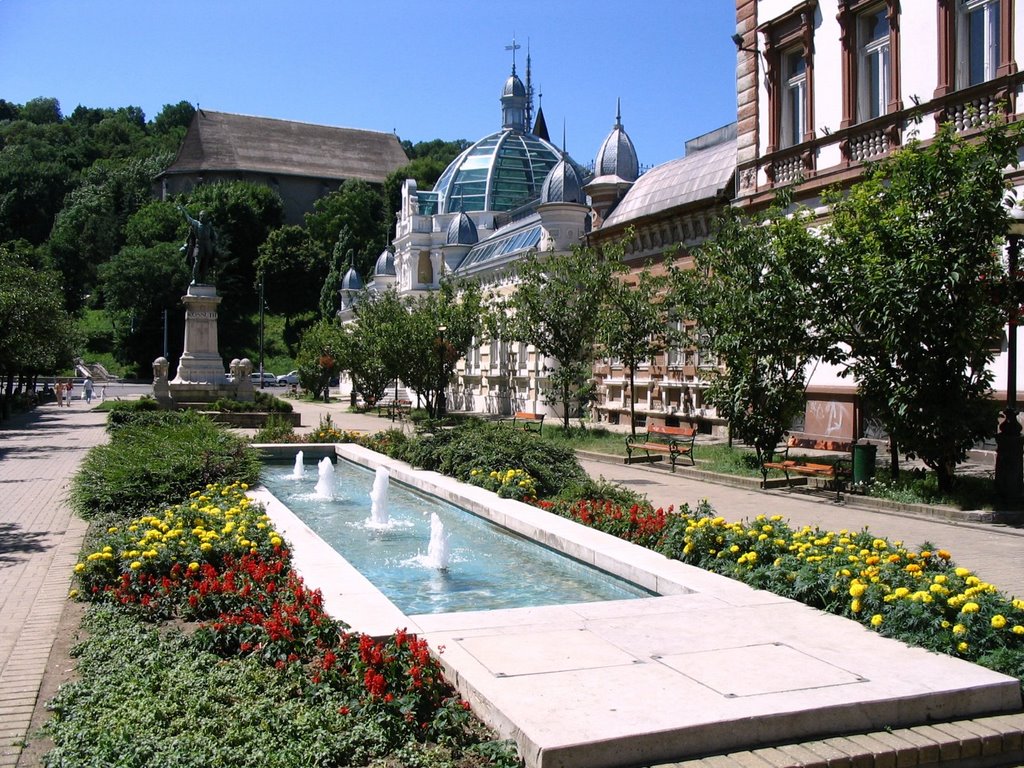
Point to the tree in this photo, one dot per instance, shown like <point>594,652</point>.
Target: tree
<point>358,209</point>
<point>292,268</point>
<point>441,327</point>
<point>556,307</point>
<point>635,324</point>
<point>36,334</point>
<point>913,250</point>
<point>323,354</point>
<point>753,292</point>
<point>380,341</point>
<point>89,229</point>
<point>139,283</point>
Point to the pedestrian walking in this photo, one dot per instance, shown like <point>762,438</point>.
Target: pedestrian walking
<point>60,395</point>
<point>67,393</point>
<point>87,390</point>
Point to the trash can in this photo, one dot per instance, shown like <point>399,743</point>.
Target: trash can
<point>864,462</point>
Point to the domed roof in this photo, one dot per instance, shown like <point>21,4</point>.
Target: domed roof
<point>563,185</point>
<point>351,281</point>
<point>385,266</point>
<point>498,173</point>
<point>462,231</point>
<point>617,157</point>
<point>514,86</point>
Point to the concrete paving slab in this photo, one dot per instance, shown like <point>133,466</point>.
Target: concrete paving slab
<point>715,666</point>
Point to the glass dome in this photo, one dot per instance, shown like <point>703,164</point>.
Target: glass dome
<point>498,173</point>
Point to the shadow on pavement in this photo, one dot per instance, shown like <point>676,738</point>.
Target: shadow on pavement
<point>14,541</point>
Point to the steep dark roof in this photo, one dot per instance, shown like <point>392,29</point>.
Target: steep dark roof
<point>219,141</point>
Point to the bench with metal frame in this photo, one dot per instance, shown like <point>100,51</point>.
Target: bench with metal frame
<point>675,441</point>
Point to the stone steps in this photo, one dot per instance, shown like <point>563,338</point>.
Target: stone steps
<point>984,742</point>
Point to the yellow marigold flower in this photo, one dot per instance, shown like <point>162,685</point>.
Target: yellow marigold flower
<point>193,566</point>
<point>855,606</point>
<point>962,572</point>
<point>1017,629</point>
<point>79,567</point>
<point>135,565</point>
<point>962,647</point>
<point>876,620</point>
<point>970,608</point>
<point>901,592</point>
<point>206,546</point>
<point>112,529</point>
<point>913,568</point>
<point>857,589</point>
<point>73,594</point>
<point>998,621</point>
<point>959,629</point>
<point>245,486</point>
<point>275,541</point>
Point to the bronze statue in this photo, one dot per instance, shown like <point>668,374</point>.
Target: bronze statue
<point>198,249</point>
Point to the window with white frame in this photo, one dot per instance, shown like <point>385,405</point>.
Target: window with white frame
<point>873,76</point>
<point>794,98</point>
<point>706,358</point>
<point>522,356</point>
<point>977,31</point>
<point>675,355</point>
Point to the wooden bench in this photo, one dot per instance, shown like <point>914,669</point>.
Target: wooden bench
<point>834,473</point>
<point>394,409</point>
<point>675,441</point>
<point>527,420</point>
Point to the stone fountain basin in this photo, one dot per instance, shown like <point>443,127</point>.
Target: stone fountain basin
<point>710,665</point>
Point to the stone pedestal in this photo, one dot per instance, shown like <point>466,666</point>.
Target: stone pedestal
<point>200,362</point>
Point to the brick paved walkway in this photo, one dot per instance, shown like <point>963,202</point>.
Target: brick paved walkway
<point>39,543</point>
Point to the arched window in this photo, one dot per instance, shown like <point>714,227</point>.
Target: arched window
<point>425,270</point>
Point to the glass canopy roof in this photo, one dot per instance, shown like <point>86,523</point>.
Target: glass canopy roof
<point>498,173</point>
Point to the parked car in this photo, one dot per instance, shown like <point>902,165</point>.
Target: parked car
<point>269,379</point>
<point>290,378</point>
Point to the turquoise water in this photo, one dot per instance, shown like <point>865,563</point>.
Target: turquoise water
<point>488,568</point>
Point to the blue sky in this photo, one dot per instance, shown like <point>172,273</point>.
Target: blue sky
<point>426,69</point>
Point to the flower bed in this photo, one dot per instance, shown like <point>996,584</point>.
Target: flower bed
<point>920,597</point>
<point>216,561</point>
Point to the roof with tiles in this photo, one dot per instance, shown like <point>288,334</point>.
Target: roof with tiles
<point>220,141</point>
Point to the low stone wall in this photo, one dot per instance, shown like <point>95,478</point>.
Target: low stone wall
<point>250,420</point>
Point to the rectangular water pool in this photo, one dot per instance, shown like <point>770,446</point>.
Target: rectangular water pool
<point>488,567</point>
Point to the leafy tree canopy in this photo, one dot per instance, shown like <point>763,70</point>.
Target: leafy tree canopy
<point>557,308</point>
<point>914,257</point>
<point>754,295</point>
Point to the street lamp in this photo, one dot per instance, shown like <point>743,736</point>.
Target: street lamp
<point>441,405</point>
<point>1009,452</point>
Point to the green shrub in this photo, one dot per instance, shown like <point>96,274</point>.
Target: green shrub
<point>488,447</point>
<point>121,412</point>
<point>159,459</point>
<point>276,429</point>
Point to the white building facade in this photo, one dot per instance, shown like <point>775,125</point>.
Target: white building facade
<point>825,85</point>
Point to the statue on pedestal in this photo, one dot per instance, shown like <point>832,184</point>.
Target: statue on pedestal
<point>199,247</point>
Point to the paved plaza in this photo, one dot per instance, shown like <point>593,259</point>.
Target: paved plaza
<point>40,537</point>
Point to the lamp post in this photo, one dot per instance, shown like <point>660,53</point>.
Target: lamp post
<point>441,405</point>
<point>1009,449</point>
